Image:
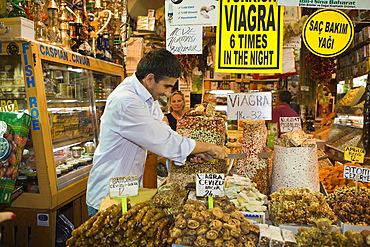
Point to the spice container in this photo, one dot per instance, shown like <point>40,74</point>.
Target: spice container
<point>74,164</point>
<point>69,167</point>
<point>82,162</point>
<point>77,151</point>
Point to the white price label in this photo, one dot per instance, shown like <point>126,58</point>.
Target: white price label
<point>124,186</point>
<point>210,185</point>
<point>351,172</point>
<point>249,106</point>
<point>289,124</point>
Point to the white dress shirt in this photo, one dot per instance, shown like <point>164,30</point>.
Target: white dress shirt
<point>131,124</point>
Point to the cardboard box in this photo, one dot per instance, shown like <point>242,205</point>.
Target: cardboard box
<point>16,27</point>
<point>356,228</point>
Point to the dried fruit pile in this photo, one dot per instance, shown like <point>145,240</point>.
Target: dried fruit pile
<point>199,226</point>
<point>332,177</point>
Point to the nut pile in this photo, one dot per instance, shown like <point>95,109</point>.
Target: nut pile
<point>253,142</point>
<point>199,126</point>
<point>199,226</point>
<point>351,208</point>
<point>300,206</point>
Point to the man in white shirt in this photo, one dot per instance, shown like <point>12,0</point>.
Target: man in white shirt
<point>132,123</point>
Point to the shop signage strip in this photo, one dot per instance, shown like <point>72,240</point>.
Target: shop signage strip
<point>337,4</point>
<point>249,37</point>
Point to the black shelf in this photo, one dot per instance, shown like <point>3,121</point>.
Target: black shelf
<point>359,26</point>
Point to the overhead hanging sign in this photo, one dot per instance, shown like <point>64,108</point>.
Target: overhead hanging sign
<point>249,37</point>
<point>184,39</point>
<point>249,106</point>
<point>328,32</point>
<point>337,4</point>
<point>191,12</point>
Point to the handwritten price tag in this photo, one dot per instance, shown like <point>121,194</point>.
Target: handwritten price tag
<point>289,124</point>
<point>124,186</point>
<point>357,173</point>
<point>210,185</point>
<point>354,154</point>
<point>249,106</point>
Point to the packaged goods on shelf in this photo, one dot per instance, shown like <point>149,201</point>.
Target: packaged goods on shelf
<point>253,142</point>
<point>201,126</point>
<point>300,206</point>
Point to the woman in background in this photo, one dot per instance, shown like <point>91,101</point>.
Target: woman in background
<point>177,106</point>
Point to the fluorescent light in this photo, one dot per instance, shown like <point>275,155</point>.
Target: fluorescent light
<point>221,91</point>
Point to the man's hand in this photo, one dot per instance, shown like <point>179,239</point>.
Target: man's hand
<point>203,150</point>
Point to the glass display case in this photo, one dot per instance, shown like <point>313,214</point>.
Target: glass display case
<point>65,94</point>
<point>347,130</point>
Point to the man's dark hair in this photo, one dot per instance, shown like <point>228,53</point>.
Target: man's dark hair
<point>285,96</point>
<point>162,63</point>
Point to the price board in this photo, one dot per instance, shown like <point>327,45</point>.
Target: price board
<point>124,186</point>
<point>210,184</point>
<point>354,154</point>
<point>289,124</point>
<point>249,106</point>
<point>354,172</point>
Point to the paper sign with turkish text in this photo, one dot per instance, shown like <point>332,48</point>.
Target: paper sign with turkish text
<point>249,106</point>
<point>336,4</point>
<point>249,37</point>
<point>354,172</point>
<point>289,124</point>
<point>328,32</point>
<point>124,186</point>
<point>184,39</point>
<point>210,185</point>
<point>354,154</point>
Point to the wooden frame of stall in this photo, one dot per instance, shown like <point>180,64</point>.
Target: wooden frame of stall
<point>24,229</point>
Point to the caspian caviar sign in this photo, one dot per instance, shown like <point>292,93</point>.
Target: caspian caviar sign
<point>328,32</point>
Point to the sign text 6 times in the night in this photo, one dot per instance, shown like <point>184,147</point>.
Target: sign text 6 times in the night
<point>249,36</point>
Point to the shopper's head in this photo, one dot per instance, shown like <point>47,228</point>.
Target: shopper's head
<point>177,101</point>
<point>285,96</point>
<point>158,71</point>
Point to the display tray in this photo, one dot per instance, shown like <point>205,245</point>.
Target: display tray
<point>73,176</point>
<point>145,194</point>
<point>356,228</point>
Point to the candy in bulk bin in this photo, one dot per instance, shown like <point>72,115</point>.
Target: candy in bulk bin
<point>295,163</point>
